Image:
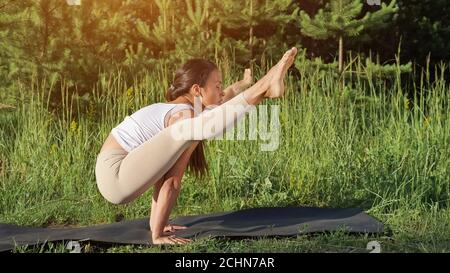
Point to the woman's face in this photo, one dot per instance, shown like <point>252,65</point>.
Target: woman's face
<point>212,92</point>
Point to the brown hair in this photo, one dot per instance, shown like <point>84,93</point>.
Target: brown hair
<point>194,71</point>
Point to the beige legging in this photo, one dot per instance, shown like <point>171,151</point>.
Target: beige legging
<point>122,177</point>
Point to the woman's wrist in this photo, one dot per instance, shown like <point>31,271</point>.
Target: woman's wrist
<point>243,84</point>
<point>240,86</point>
<point>156,235</point>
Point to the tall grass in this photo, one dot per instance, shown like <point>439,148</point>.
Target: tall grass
<point>369,146</point>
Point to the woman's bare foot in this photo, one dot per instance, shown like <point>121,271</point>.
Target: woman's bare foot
<point>276,87</point>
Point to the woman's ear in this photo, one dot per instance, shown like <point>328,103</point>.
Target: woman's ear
<point>195,90</point>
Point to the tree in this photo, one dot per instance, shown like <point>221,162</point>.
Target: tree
<point>339,20</point>
<point>163,30</point>
<point>51,39</point>
<point>260,19</point>
<point>424,28</point>
<point>201,32</point>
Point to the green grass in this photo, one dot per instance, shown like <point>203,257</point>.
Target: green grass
<point>370,147</point>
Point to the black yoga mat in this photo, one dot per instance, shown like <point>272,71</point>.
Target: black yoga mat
<point>255,222</point>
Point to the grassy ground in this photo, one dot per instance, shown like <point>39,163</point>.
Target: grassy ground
<point>370,146</point>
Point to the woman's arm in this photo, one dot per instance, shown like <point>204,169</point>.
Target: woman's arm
<point>239,86</point>
<point>168,194</point>
<point>170,189</point>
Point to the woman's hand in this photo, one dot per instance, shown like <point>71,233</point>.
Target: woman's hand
<point>239,86</point>
<point>171,240</point>
<point>248,78</point>
<point>172,228</point>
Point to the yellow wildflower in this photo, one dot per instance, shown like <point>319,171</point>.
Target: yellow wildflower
<point>73,126</point>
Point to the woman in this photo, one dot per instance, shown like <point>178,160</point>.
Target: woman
<point>145,149</point>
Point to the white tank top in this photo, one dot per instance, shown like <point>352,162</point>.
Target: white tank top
<point>144,124</point>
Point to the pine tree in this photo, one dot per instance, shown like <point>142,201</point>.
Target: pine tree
<point>201,33</point>
<point>163,30</point>
<point>253,15</point>
<point>33,34</point>
<point>51,39</point>
<point>339,20</point>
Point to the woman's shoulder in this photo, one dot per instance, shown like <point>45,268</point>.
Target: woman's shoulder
<point>168,104</point>
<point>163,108</point>
<point>157,106</point>
<point>180,104</point>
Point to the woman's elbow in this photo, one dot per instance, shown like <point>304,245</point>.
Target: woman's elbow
<point>174,183</point>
